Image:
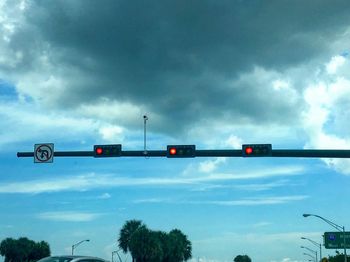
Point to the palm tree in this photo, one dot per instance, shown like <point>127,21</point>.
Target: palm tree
<point>8,249</point>
<point>127,231</point>
<point>241,258</point>
<point>164,240</point>
<point>181,248</point>
<point>145,246</point>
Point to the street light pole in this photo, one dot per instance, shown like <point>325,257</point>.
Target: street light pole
<point>316,244</point>
<point>116,252</point>
<point>310,256</point>
<point>313,251</point>
<point>337,227</point>
<point>77,244</point>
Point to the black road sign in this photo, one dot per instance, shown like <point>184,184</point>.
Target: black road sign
<point>43,153</point>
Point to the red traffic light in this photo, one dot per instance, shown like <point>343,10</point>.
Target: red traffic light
<point>248,150</point>
<point>181,151</point>
<point>172,151</point>
<point>256,150</point>
<point>99,151</point>
<point>107,150</point>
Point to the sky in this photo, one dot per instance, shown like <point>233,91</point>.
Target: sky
<point>216,74</point>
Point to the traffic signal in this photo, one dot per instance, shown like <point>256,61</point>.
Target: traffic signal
<point>179,151</point>
<point>256,150</point>
<point>107,150</point>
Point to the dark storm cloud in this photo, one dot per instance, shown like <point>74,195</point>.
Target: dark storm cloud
<point>180,59</point>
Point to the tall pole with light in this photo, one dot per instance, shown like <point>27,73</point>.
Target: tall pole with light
<point>313,251</point>
<point>77,244</point>
<point>316,244</point>
<point>116,252</point>
<point>306,254</point>
<point>337,227</point>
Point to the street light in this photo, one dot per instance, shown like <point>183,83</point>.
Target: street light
<point>77,244</point>
<point>310,256</point>
<point>315,243</point>
<point>313,251</point>
<point>116,252</point>
<point>337,227</point>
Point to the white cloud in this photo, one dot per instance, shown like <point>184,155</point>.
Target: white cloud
<point>90,181</point>
<point>234,142</point>
<point>262,186</point>
<point>210,165</point>
<point>256,201</point>
<point>68,216</point>
<point>287,259</point>
<point>327,116</point>
<point>206,259</point>
<point>24,122</point>
<point>260,201</point>
<point>112,110</point>
<point>262,224</point>
<point>112,133</point>
<point>105,196</point>
<point>334,64</point>
<point>43,88</point>
<point>280,84</point>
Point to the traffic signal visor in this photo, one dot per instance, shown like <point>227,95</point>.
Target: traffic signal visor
<point>256,150</point>
<point>181,151</point>
<point>107,150</point>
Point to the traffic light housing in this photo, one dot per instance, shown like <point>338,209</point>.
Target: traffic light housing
<point>181,151</point>
<point>256,150</point>
<point>107,150</point>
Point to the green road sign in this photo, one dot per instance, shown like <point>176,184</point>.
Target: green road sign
<point>335,240</point>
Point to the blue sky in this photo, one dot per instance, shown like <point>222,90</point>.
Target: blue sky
<point>214,74</point>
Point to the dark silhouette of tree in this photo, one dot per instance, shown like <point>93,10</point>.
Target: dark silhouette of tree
<point>146,245</point>
<point>337,258</point>
<point>23,249</point>
<point>8,249</point>
<point>40,250</point>
<point>242,258</point>
<point>180,246</point>
<point>164,240</point>
<point>127,231</point>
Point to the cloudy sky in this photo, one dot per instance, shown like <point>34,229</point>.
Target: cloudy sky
<point>216,74</point>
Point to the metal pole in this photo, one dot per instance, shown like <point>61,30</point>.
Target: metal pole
<point>339,228</point>
<point>116,252</point>
<point>345,256</point>
<point>208,153</point>
<point>310,256</point>
<point>145,118</point>
<point>77,244</point>
<point>316,244</point>
<point>313,251</point>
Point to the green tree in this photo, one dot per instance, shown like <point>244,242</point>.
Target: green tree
<point>127,231</point>
<point>337,258</point>
<point>40,250</point>
<point>145,246</point>
<point>8,249</point>
<point>164,240</point>
<point>242,258</point>
<point>23,249</point>
<point>180,246</point>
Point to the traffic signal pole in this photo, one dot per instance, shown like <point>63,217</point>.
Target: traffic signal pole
<point>301,153</point>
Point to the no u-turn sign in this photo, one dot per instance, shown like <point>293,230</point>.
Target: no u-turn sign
<point>43,153</point>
